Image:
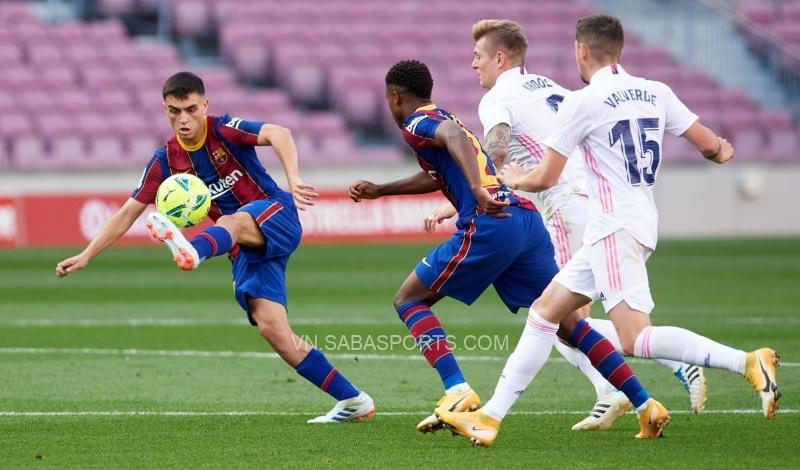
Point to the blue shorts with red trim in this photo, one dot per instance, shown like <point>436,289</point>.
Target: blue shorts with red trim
<point>262,273</point>
<point>513,254</point>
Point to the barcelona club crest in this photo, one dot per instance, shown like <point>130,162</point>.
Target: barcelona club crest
<point>220,156</point>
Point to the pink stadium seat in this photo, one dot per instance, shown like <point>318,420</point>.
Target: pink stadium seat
<point>58,77</point>
<point>73,101</point>
<point>251,61</point>
<point>191,17</point>
<point>15,11</point>
<point>32,32</point>
<point>749,144</point>
<point>117,7</point>
<point>99,77</point>
<point>360,106</point>
<point>8,103</point>
<point>306,83</point>
<point>10,54</point>
<point>112,99</point>
<point>82,55</point>
<point>107,32</point>
<point>790,12</point>
<point>783,146</point>
<point>68,150</point>
<point>29,152</point>
<point>16,77</point>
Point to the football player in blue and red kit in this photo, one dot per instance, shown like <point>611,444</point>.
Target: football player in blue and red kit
<point>256,225</point>
<point>501,241</point>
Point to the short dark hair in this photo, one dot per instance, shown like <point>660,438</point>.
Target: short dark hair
<point>413,76</point>
<point>602,34</point>
<point>183,84</point>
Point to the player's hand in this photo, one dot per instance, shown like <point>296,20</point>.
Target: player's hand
<point>303,193</point>
<point>725,153</point>
<point>511,174</point>
<point>437,216</point>
<point>72,264</point>
<point>492,206</point>
<point>363,190</point>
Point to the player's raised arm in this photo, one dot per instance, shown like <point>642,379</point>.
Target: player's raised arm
<point>419,183</point>
<point>451,135</point>
<point>116,226</point>
<point>280,138</point>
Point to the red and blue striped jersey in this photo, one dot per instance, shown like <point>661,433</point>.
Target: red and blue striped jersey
<point>418,133</point>
<point>225,159</point>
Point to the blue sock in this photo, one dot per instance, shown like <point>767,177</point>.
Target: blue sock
<point>432,341</point>
<point>316,369</point>
<point>605,358</point>
<point>212,241</point>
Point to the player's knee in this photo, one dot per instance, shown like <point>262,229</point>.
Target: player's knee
<point>231,223</point>
<point>400,299</point>
<point>628,345</point>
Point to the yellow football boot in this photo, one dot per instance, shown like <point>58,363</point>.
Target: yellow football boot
<point>652,420</point>
<point>464,401</point>
<point>761,367</point>
<point>479,428</point>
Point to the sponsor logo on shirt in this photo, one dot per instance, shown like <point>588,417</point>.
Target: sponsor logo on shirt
<point>224,184</point>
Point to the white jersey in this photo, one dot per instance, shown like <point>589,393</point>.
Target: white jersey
<point>618,122</point>
<point>528,104</point>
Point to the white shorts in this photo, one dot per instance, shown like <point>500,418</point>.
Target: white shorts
<point>612,270</point>
<point>566,227</point>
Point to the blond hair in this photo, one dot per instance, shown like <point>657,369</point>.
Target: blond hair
<point>504,34</point>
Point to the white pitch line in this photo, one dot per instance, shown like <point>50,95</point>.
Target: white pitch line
<point>190,414</point>
<point>301,321</point>
<point>266,355</point>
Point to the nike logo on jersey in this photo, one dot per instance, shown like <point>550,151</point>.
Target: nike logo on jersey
<point>425,262</point>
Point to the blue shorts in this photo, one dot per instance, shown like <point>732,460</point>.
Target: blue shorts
<point>261,273</point>
<point>513,254</point>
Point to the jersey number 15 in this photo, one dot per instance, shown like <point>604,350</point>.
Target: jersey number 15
<point>621,132</point>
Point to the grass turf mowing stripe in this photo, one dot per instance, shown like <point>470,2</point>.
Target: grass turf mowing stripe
<point>69,414</point>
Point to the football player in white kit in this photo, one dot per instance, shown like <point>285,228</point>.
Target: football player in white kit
<point>617,122</point>
<point>518,113</point>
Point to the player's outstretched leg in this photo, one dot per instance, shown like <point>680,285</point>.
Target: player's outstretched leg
<point>431,338</point>
<point>690,376</point>
<point>310,363</point>
<point>188,255</point>
<point>758,367</point>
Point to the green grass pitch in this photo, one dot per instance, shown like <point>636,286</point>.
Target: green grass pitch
<point>134,364</point>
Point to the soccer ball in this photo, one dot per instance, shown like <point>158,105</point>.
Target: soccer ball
<point>184,199</point>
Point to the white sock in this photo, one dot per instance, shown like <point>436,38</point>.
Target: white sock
<point>606,328</point>
<point>523,364</point>
<point>575,357</point>
<point>678,344</point>
<point>460,388</point>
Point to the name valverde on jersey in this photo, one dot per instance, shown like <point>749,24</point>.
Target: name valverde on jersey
<point>528,104</point>
<point>618,123</point>
<point>226,161</point>
<point>420,128</point>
